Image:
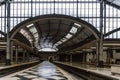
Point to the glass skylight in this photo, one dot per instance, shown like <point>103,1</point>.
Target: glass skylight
<point>25,33</point>
<point>73,30</point>
<point>36,35</point>
<point>63,39</point>
<point>56,44</point>
<point>48,49</point>
<point>68,36</point>
<point>59,42</point>
<point>34,32</point>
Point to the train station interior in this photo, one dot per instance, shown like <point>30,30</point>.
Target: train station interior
<point>59,39</point>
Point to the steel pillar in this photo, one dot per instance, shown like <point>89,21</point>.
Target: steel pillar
<point>24,56</point>
<point>84,57</point>
<point>100,42</point>
<point>8,61</point>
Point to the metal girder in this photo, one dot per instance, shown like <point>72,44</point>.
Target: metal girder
<point>2,33</point>
<point>112,4</point>
<point>111,32</point>
<point>22,38</point>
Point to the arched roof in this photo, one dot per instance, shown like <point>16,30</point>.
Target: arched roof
<point>54,30</point>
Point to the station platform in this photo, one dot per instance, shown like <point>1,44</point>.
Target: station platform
<point>42,71</point>
<point>106,71</point>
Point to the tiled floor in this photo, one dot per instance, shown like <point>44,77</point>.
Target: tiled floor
<point>43,71</point>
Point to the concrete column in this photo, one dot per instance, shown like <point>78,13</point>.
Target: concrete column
<point>66,58</point>
<point>27,56</point>
<point>97,52</point>
<point>108,57</point>
<point>70,58</point>
<point>11,51</point>
<point>114,53</point>
<point>104,56</point>
<point>84,57</point>
<point>87,57</point>
<point>16,54</point>
<point>24,56</point>
<point>8,55</point>
<point>113,59</point>
<point>94,57</point>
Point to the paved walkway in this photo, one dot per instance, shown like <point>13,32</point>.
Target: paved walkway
<point>43,71</point>
<point>103,71</point>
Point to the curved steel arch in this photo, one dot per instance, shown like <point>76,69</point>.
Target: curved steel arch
<point>55,16</point>
<point>111,32</point>
<point>2,33</point>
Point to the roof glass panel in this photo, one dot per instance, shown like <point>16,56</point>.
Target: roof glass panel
<point>59,42</point>
<point>36,35</point>
<point>33,30</point>
<point>22,31</point>
<point>25,33</point>
<point>73,30</point>
<point>64,39</point>
<point>68,36</point>
<point>48,49</point>
<point>56,44</point>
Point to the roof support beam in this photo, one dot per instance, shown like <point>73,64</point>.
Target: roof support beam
<point>58,30</point>
<point>90,38</point>
<point>18,43</point>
